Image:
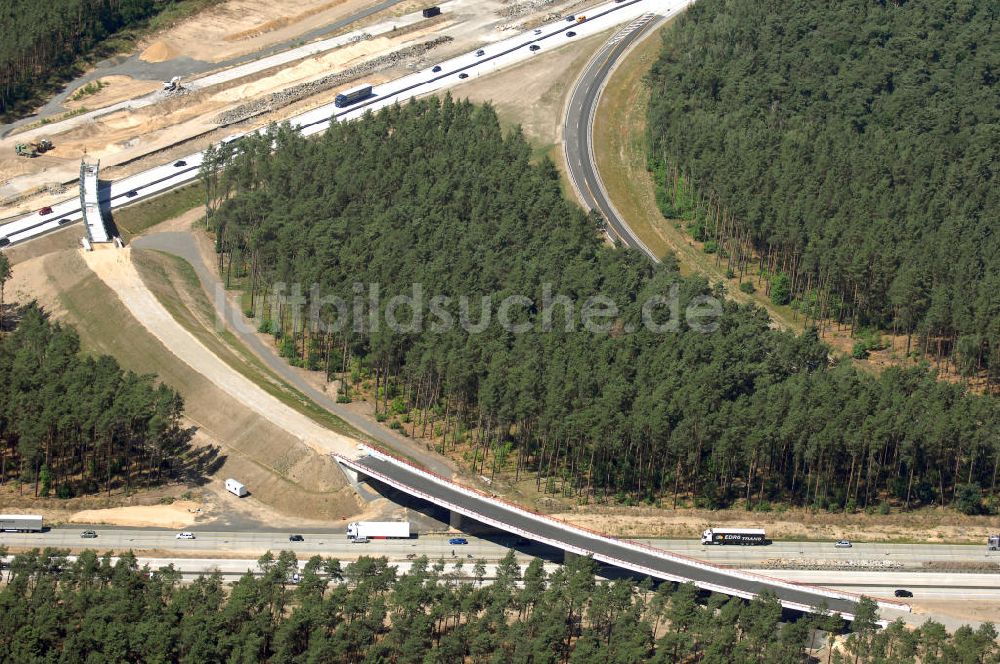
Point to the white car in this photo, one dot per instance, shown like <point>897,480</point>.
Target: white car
<point>185,535</point>
<point>843,544</point>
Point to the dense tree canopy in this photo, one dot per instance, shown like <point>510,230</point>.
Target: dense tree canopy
<point>850,147</point>
<point>73,423</point>
<point>98,610</point>
<point>40,41</point>
<point>434,194</point>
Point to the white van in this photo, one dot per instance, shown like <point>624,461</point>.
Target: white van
<point>235,488</point>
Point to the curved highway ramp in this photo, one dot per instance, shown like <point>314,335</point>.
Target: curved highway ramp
<point>638,558</point>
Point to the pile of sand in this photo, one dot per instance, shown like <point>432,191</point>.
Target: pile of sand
<point>159,52</point>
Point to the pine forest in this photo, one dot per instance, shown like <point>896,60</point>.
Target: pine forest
<point>846,152</point>
<point>434,193</point>
<point>95,609</point>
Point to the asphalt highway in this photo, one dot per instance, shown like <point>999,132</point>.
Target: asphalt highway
<point>579,125</point>
<point>211,539</point>
<point>460,566</point>
<point>213,543</point>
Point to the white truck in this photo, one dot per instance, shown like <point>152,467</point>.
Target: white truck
<point>993,543</point>
<point>741,536</point>
<point>236,488</point>
<point>21,523</point>
<point>365,530</point>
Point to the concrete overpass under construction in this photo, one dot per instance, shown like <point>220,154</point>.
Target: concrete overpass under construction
<point>638,558</point>
<point>90,203</point>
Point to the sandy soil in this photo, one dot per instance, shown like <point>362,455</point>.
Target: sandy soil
<point>117,88</point>
<point>238,27</point>
<point>177,515</point>
<point>30,281</point>
<point>159,51</point>
<point>975,611</point>
<point>115,268</point>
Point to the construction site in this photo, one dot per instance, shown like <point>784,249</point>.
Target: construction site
<point>232,69</point>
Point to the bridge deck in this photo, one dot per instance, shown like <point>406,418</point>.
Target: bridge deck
<point>89,199</point>
<point>639,558</point>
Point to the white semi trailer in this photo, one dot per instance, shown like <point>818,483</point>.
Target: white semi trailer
<point>378,530</point>
<point>741,536</point>
<point>27,523</point>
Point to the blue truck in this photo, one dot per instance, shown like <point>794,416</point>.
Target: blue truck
<point>353,96</point>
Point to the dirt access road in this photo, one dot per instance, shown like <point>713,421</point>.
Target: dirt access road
<point>115,268</point>
<point>185,245</point>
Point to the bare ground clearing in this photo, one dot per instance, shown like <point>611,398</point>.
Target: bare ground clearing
<point>117,88</point>
<point>238,27</point>
<point>980,610</point>
<point>176,515</point>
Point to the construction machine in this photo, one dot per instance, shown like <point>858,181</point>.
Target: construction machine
<point>25,150</point>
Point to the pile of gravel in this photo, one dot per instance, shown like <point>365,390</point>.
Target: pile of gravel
<point>522,8</point>
<point>819,564</point>
<point>276,100</point>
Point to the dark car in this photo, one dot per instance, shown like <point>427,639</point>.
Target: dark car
<point>88,534</point>
<point>900,592</point>
<point>65,220</point>
<point>458,540</point>
<point>534,47</point>
<point>436,68</point>
<point>480,53</point>
<point>571,34</point>
<point>463,75</point>
<point>180,163</point>
<point>4,241</point>
<point>132,193</point>
<point>570,18</point>
<point>45,210</point>
<point>296,538</point>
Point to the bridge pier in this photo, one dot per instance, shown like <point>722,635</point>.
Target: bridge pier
<point>455,520</point>
<point>569,556</point>
<point>353,476</point>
